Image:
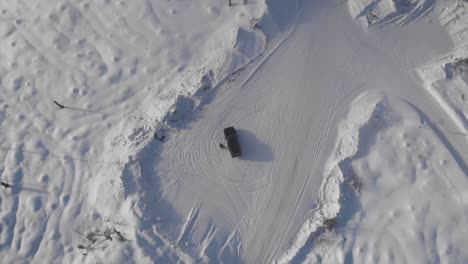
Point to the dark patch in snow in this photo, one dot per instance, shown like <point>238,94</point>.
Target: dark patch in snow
<point>457,68</point>
<point>180,112</point>
<point>252,148</point>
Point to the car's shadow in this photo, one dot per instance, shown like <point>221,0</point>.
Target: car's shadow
<point>252,148</point>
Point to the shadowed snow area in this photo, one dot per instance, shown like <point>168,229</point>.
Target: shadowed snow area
<point>351,115</point>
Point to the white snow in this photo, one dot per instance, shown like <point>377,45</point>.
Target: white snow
<point>447,81</point>
<point>409,194</point>
<point>369,12</point>
<point>117,66</point>
<point>352,118</point>
<point>349,133</point>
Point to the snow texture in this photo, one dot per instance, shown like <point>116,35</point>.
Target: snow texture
<point>351,115</point>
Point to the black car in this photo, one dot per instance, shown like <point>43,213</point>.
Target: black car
<point>232,142</point>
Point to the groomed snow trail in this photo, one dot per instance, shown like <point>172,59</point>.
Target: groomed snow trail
<point>250,209</point>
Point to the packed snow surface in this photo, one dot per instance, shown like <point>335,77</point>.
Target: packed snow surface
<point>352,118</point>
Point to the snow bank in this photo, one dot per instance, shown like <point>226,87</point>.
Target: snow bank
<point>350,136</point>
<point>229,57</point>
<point>409,192</point>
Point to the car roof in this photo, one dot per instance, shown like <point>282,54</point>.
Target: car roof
<point>229,130</point>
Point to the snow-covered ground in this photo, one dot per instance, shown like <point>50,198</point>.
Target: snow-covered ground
<point>352,117</point>
<point>447,81</point>
<point>446,77</point>
<point>118,67</point>
<point>403,196</point>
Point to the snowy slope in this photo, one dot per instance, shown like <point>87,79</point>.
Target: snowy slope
<point>350,115</point>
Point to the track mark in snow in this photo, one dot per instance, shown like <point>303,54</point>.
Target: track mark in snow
<point>207,239</point>
<point>226,243</point>
<point>190,222</point>
<point>329,193</point>
<point>345,92</point>
<point>152,14</point>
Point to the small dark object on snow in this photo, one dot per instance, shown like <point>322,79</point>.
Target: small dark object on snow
<point>61,106</point>
<point>6,185</point>
<point>330,223</point>
<point>230,2</point>
<point>222,146</point>
<point>232,142</point>
<point>373,16</point>
<point>120,235</point>
<point>159,138</point>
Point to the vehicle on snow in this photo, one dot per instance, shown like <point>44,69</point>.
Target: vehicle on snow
<point>232,142</point>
